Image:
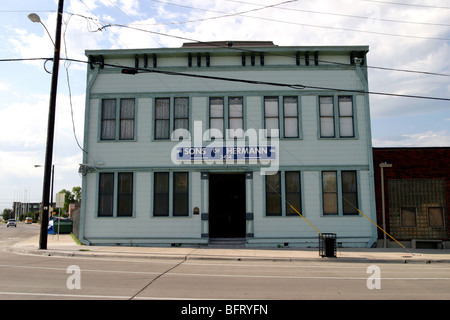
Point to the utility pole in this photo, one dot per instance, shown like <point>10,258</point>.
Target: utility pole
<point>50,131</point>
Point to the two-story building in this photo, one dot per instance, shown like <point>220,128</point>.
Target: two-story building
<point>267,144</point>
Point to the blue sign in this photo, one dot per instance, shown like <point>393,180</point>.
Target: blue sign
<point>226,153</point>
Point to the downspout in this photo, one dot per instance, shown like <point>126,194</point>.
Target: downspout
<point>363,76</point>
<point>90,81</point>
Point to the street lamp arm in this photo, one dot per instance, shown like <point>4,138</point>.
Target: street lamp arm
<point>35,18</point>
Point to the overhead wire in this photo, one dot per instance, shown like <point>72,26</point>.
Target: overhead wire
<point>67,63</point>
<point>312,25</point>
<point>408,4</point>
<point>255,51</point>
<point>297,86</point>
<point>348,15</point>
<point>292,86</point>
<point>225,15</point>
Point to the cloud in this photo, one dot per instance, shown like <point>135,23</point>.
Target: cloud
<point>424,139</point>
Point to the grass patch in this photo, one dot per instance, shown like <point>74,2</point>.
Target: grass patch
<point>75,239</point>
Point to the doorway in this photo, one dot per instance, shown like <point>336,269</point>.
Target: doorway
<point>227,205</point>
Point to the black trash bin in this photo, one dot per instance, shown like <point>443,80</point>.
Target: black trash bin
<point>327,245</point>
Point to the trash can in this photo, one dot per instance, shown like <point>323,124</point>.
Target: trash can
<point>65,226</point>
<point>327,245</point>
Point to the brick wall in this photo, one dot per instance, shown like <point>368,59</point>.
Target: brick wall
<point>412,164</point>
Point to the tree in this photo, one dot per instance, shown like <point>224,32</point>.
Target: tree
<point>7,214</point>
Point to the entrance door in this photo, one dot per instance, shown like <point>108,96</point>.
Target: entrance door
<point>227,205</point>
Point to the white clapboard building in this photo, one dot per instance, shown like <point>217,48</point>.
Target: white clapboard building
<point>247,141</point>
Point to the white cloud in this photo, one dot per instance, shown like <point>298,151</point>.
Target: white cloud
<point>423,139</point>
<point>4,86</point>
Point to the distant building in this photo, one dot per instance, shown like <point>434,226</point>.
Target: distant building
<point>20,208</point>
<point>180,148</point>
<point>416,195</point>
<point>24,207</point>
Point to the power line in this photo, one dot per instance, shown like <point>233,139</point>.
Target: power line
<point>312,25</point>
<point>256,82</point>
<point>252,51</point>
<point>408,4</point>
<point>348,15</point>
<point>226,15</point>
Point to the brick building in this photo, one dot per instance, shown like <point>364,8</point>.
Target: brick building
<point>416,195</point>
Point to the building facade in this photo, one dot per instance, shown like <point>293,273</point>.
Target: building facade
<point>413,195</point>
<point>228,140</point>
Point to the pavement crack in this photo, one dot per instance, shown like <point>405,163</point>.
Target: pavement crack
<point>156,278</point>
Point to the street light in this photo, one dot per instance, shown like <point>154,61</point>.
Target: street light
<point>35,18</point>
<point>51,124</point>
<point>382,166</point>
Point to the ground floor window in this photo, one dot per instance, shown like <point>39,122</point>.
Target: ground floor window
<point>167,185</point>
<point>115,200</point>
<point>283,187</point>
<point>339,192</point>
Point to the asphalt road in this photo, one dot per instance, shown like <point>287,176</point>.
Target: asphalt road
<point>36,277</point>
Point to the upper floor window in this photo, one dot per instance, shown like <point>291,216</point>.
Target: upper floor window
<point>181,113</point>
<point>226,114</point>
<point>346,117</point>
<point>170,114</point>
<point>124,117</point>
<point>290,110</point>
<point>236,117</point>
<point>216,117</point>
<point>288,114</point>
<point>344,128</point>
<point>271,114</point>
<point>162,118</point>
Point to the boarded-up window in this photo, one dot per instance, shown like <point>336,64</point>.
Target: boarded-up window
<point>436,216</point>
<point>408,217</point>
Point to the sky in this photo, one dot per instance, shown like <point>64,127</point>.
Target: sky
<point>409,54</point>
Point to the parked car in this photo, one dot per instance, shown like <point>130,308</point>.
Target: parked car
<point>12,223</point>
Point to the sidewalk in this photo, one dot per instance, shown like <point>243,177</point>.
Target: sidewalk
<point>64,245</point>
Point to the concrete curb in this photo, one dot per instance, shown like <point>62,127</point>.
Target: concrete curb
<point>362,256</point>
